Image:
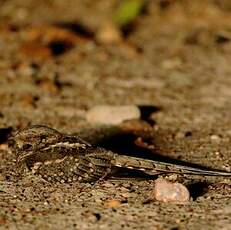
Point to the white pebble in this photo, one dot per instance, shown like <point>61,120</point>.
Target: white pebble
<point>109,34</point>
<point>170,192</point>
<point>112,115</point>
<point>215,137</point>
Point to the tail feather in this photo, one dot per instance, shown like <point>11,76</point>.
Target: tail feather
<point>154,167</point>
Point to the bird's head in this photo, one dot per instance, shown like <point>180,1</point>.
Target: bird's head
<point>30,140</point>
<point>43,144</point>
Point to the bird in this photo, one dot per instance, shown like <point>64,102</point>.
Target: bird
<point>63,158</point>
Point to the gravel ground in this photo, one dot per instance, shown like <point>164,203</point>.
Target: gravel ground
<point>176,57</point>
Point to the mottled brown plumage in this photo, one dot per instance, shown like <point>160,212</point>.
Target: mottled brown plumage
<point>58,157</point>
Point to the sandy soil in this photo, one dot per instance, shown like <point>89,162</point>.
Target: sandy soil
<point>53,69</point>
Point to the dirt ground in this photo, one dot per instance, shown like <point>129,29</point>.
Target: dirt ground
<point>53,67</point>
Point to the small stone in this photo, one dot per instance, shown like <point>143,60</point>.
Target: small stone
<point>112,203</point>
<point>109,34</point>
<point>179,135</point>
<point>98,201</point>
<point>126,195</point>
<point>3,147</point>
<point>215,138</point>
<point>112,115</point>
<point>170,192</point>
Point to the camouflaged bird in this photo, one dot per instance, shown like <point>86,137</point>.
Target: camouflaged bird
<point>62,158</point>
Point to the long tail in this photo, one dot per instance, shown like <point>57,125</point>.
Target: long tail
<point>155,167</point>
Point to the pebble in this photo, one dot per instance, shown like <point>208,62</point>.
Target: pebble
<point>108,33</point>
<point>215,138</point>
<point>3,147</point>
<point>112,115</point>
<point>170,192</point>
<point>112,203</point>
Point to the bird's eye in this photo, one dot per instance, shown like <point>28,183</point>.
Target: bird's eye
<point>26,146</point>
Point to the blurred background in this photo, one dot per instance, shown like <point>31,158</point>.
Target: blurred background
<point>59,58</point>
